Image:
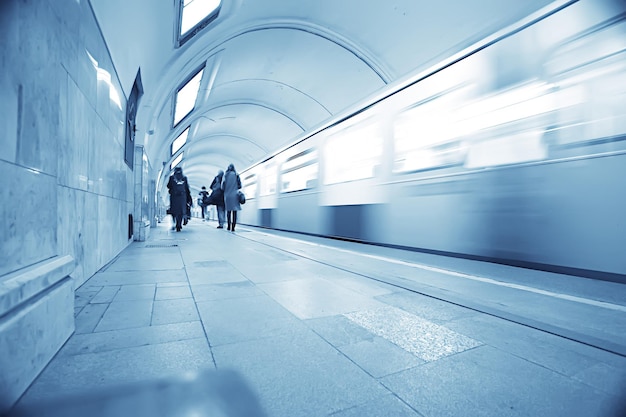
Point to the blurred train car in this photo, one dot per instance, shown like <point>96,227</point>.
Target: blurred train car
<point>513,151</point>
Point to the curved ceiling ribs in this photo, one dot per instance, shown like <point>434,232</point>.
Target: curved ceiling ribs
<point>274,95</point>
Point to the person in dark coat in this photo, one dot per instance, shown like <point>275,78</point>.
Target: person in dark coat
<point>180,196</point>
<point>231,184</point>
<point>217,198</point>
<point>203,196</point>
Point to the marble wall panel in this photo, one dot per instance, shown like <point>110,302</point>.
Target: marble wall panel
<point>112,226</point>
<point>8,31</point>
<point>71,234</point>
<point>79,233</point>
<point>74,143</point>
<point>67,13</point>
<point>142,185</point>
<point>138,171</point>
<point>90,49</point>
<point>31,336</point>
<point>10,97</point>
<point>10,90</point>
<point>99,158</point>
<point>27,217</point>
<point>40,72</point>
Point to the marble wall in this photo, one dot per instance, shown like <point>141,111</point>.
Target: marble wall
<point>67,191</point>
<point>62,139</point>
<point>142,209</point>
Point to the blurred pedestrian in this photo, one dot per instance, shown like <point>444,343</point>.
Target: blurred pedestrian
<point>217,198</point>
<point>203,200</point>
<point>231,184</point>
<point>180,195</point>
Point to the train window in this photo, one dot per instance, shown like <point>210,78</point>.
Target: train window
<point>428,135</point>
<point>186,96</point>
<point>268,180</point>
<point>353,154</point>
<point>195,15</point>
<point>590,72</point>
<point>249,186</point>
<point>179,141</point>
<point>299,172</point>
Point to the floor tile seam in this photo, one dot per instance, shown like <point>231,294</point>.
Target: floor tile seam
<point>146,270</point>
<point>402,400</point>
<point>86,335</point>
<point>272,335</point>
<point>342,353</point>
<point>375,378</point>
<point>133,347</point>
<point>535,363</point>
<point>195,303</point>
<point>99,318</point>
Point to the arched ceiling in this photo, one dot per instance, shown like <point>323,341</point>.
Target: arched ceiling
<point>277,69</point>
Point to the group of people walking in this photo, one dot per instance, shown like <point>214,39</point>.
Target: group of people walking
<point>224,196</point>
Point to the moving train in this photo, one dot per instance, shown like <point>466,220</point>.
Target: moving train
<point>513,151</point>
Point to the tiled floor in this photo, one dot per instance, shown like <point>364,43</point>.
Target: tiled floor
<point>311,330</point>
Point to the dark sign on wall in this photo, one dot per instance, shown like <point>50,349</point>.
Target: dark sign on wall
<point>131,114</point>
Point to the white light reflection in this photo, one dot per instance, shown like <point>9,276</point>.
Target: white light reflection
<point>104,76</point>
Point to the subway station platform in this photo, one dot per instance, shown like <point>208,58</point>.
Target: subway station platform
<point>258,322</point>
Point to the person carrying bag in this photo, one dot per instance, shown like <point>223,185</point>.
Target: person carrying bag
<point>217,198</point>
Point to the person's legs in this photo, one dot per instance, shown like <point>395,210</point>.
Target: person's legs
<point>228,217</point>
<point>202,208</point>
<point>187,215</point>
<point>221,213</point>
<point>179,220</point>
<point>232,228</point>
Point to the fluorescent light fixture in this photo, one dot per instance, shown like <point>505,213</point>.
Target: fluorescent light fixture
<point>186,97</point>
<point>176,160</point>
<point>179,141</point>
<point>194,12</point>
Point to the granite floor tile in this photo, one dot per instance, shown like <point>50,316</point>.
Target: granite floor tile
<point>135,292</point>
<point>72,374</point>
<point>126,314</point>
<point>310,298</point>
<point>423,338</point>
<point>89,317</point>
<point>305,377</point>
<point>174,311</point>
<point>213,276</point>
<point>237,319</point>
<point>368,355</point>
<point>146,261</point>
<point>384,406</point>
<point>82,298</point>
<point>556,353</point>
<point>172,292</point>
<point>134,277</point>
<point>339,330</point>
<point>105,295</point>
<point>206,292</point>
<point>488,382</point>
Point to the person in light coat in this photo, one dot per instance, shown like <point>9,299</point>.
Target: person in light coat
<point>231,184</point>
